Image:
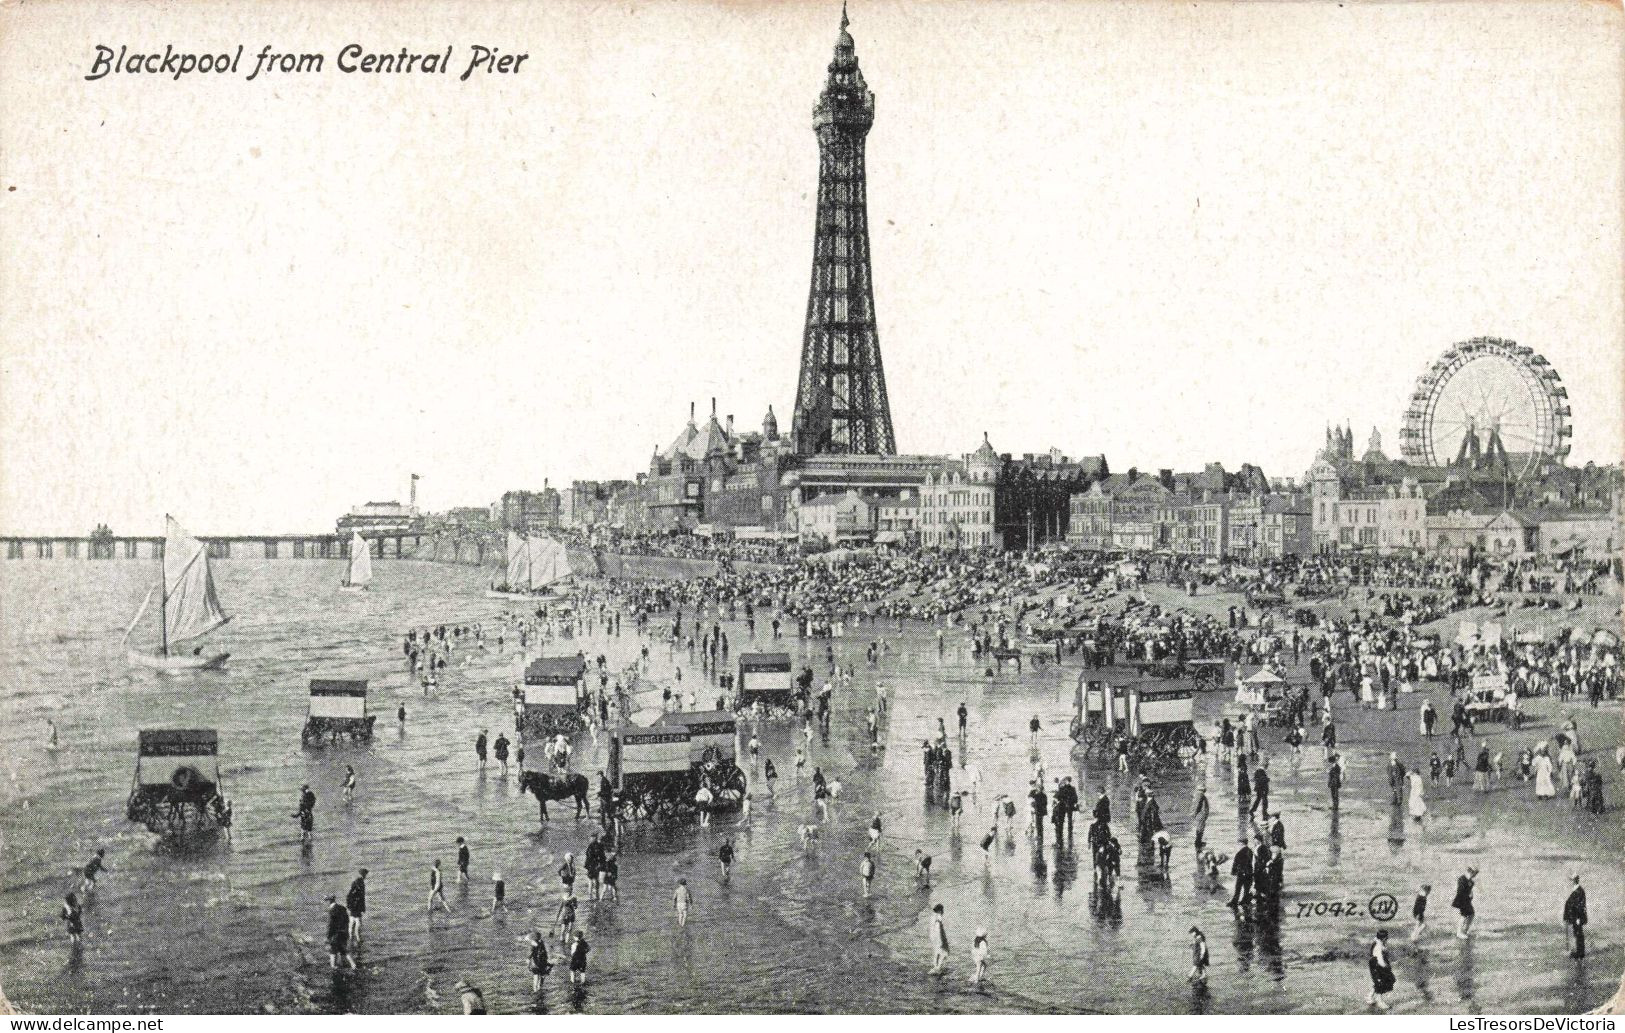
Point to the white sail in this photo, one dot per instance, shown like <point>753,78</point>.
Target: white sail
<point>360,571</point>
<point>191,607</point>
<point>139,611</point>
<point>550,562</point>
<point>518,574</point>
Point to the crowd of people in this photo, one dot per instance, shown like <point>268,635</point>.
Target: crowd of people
<point>1369,658</point>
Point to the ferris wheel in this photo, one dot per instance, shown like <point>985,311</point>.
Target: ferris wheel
<point>1486,402</point>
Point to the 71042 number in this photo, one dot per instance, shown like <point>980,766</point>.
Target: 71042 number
<point>1332,908</point>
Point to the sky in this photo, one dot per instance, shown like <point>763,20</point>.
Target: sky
<point>1169,233</point>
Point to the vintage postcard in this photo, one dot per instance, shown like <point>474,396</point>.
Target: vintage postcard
<point>698,508</point>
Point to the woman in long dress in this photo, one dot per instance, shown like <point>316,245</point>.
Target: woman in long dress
<point>1418,805</point>
<point>1567,764</point>
<point>1544,790</point>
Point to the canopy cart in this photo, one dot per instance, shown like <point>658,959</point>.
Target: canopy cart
<point>654,776</point>
<point>713,734</point>
<point>554,697</point>
<point>765,678</point>
<point>1100,713</point>
<point>1162,723</point>
<point>176,787</point>
<point>338,707</point>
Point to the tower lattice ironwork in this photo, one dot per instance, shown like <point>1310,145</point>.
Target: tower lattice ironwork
<point>841,405</point>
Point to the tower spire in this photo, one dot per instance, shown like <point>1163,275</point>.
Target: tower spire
<point>841,404</point>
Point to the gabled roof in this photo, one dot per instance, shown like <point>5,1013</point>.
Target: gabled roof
<point>1112,484</point>
<point>1145,486</point>
<point>1507,518</point>
<point>680,446</point>
<point>712,438</point>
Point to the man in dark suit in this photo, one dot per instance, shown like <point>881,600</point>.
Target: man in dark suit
<point>1066,802</point>
<point>1261,791</point>
<point>1241,868</point>
<point>1262,855</point>
<point>1574,919</point>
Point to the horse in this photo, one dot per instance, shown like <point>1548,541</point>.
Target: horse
<point>549,787</point>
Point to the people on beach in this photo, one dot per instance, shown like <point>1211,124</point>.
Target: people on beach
<point>73,919</point>
<point>437,889</point>
<point>681,900</point>
<point>93,867</point>
<point>338,934</point>
<point>1199,958</point>
<point>1381,969</point>
<point>1463,902</point>
<point>537,960</point>
<point>1575,917</point>
<point>939,940</point>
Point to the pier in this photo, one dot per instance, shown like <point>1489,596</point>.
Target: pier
<point>433,546</point>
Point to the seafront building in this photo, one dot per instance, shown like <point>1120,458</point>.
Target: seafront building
<point>835,475</point>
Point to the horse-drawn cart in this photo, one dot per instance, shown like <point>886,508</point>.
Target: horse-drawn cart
<point>1205,674</point>
<point>1039,653</point>
<point>338,707</point>
<point>1156,721</point>
<point>765,678</point>
<point>1164,667</point>
<point>555,695</point>
<point>1162,723</point>
<point>1100,713</point>
<point>176,787</point>
<point>1264,596</point>
<point>658,773</point>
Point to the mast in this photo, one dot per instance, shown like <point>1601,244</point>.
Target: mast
<point>163,589</point>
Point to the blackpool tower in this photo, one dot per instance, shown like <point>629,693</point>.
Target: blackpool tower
<point>841,406</point>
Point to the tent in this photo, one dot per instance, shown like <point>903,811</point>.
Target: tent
<point>1257,690</point>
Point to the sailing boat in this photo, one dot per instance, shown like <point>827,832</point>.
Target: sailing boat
<point>188,606</point>
<point>359,573</point>
<point>534,564</point>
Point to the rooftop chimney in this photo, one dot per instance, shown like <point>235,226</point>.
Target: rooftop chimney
<point>730,428</point>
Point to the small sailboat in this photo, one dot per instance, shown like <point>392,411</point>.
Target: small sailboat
<point>189,608</point>
<point>534,565</point>
<point>359,573</point>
